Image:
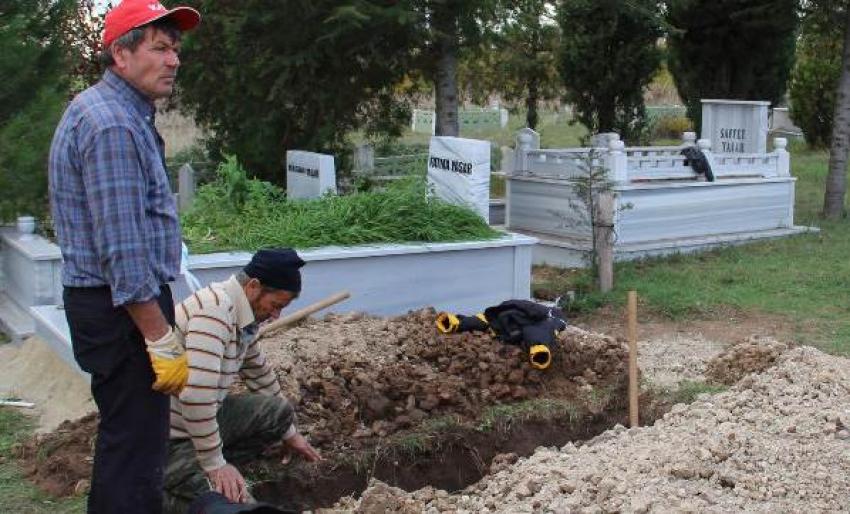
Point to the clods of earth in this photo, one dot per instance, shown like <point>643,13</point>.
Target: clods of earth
<point>463,424</point>
<point>394,399</point>
<point>777,441</point>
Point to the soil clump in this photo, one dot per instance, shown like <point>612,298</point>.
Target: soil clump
<point>754,355</point>
<point>60,463</point>
<point>774,442</point>
<point>362,384</point>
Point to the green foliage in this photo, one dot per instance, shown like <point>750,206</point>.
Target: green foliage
<point>527,49</point>
<point>30,51</point>
<point>814,79</point>
<point>670,127</point>
<point>609,55</point>
<point>32,94</point>
<point>731,49</point>
<point>236,213</point>
<point>24,146</point>
<point>267,77</point>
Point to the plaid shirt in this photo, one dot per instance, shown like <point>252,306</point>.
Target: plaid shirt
<point>114,214</point>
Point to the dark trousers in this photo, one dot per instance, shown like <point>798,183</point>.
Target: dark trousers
<point>132,437</point>
<point>247,423</point>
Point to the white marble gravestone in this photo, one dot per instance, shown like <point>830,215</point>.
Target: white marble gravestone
<point>459,172</point>
<point>309,175</point>
<point>735,126</point>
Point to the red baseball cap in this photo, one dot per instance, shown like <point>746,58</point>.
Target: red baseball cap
<point>131,14</point>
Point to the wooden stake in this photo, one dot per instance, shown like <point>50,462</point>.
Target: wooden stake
<point>605,240</point>
<point>633,367</point>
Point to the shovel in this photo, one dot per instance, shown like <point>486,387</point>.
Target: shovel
<point>300,314</point>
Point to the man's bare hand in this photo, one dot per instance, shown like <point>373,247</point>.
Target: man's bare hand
<point>300,445</point>
<point>227,480</point>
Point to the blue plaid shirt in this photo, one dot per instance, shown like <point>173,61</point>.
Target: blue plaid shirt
<point>113,211</point>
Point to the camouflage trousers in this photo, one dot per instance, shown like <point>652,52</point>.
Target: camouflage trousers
<point>248,424</point>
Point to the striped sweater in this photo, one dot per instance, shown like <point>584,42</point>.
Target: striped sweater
<point>212,323</point>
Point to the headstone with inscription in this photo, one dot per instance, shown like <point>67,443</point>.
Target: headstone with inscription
<point>735,126</point>
<point>309,175</point>
<point>459,172</point>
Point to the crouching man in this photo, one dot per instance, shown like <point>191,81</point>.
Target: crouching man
<point>211,430</point>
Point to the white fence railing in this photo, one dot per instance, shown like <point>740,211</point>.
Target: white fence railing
<point>624,165</point>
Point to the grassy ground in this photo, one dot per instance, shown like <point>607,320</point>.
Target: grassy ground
<point>17,495</point>
<point>804,278</point>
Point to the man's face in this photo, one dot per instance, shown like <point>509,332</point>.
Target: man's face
<point>267,305</point>
<point>152,67</point>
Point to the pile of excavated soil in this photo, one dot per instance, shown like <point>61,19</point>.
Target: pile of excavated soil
<point>60,462</point>
<point>356,379</point>
<point>775,442</point>
<point>669,360</point>
<point>754,355</point>
<point>34,373</point>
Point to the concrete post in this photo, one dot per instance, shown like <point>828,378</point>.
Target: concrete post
<point>526,139</point>
<point>616,162</point>
<point>783,164</point>
<point>185,187</point>
<point>364,158</point>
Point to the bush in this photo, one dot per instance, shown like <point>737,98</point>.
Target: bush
<point>24,147</point>
<point>670,127</point>
<point>813,84</point>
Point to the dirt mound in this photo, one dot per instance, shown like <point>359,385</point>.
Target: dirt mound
<point>775,442</point>
<point>751,356</point>
<point>362,377</point>
<point>358,379</point>
<point>60,462</point>
<point>35,373</point>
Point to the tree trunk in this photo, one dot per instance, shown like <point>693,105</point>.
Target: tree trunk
<point>836,180</point>
<point>445,85</point>
<point>531,104</point>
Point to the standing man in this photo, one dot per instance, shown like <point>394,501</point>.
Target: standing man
<point>210,429</point>
<point>117,226</point>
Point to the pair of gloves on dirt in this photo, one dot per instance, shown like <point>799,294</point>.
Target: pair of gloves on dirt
<point>168,359</point>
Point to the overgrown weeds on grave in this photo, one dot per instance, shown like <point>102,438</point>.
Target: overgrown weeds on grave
<point>238,213</point>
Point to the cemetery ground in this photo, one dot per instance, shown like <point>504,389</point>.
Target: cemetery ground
<point>393,400</point>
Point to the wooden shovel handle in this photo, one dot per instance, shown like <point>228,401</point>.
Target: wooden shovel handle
<point>304,312</point>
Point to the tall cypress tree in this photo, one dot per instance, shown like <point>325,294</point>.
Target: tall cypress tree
<point>735,49</point>
<point>609,54</point>
<point>294,74</point>
<point>33,91</point>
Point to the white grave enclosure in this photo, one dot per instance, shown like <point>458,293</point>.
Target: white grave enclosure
<point>735,126</point>
<point>459,172</point>
<point>661,206</point>
<point>309,175</point>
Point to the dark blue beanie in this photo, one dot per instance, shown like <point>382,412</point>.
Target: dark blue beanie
<point>276,268</point>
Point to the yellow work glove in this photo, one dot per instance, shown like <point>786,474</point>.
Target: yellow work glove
<point>169,363</point>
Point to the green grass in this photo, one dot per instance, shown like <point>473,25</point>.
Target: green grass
<point>17,495</point>
<point>234,213</point>
<point>501,417</point>
<point>687,391</point>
